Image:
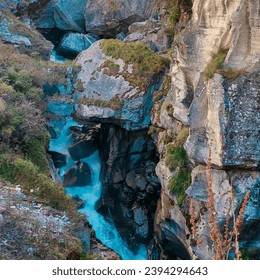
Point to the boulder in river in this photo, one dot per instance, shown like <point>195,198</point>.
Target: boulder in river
<point>59,159</point>
<point>82,149</point>
<point>73,43</point>
<point>80,174</point>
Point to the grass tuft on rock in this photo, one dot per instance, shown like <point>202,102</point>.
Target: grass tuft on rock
<point>215,63</point>
<point>179,183</point>
<point>145,62</point>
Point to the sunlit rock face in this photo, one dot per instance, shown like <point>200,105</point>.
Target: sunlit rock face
<point>222,113</point>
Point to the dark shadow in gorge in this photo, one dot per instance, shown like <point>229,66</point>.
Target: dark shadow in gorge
<point>131,188</point>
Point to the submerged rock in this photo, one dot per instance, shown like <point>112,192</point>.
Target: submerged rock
<point>80,174</point>
<point>85,140</point>
<point>82,149</point>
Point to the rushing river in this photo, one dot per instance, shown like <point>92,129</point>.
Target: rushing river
<point>105,230</point>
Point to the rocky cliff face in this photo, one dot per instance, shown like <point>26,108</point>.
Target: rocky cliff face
<point>222,111</point>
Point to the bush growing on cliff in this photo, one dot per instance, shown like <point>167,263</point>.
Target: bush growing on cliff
<point>177,159</point>
<point>176,155</point>
<point>215,63</point>
<point>174,15</point>
<point>179,183</point>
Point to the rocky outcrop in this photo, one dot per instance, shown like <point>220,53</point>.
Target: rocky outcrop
<point>8,37</point>
<point>108,18</point>
<point>151,32</point>
<point>26,39</point>
<point>73,43</point>
<point>109,90</point>
<point>230,121</point>
<point>28,225</point>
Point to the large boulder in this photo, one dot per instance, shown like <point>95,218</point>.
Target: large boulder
<point>115,87</point>
<point>80,174</point>
<point>108,18</point>
<point>64,15</point>
<point>85,141</point>
<point>73,43</point>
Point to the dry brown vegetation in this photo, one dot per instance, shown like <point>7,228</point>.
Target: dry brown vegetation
<point>227,240</point>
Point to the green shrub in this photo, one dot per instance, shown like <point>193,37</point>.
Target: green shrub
<point>5,89</point>
<point>176,157</point>
<point>173,18</point>
<point>215,63</point>
<point>35,148</point>
<point>179,183</point>
<point>20,171</point>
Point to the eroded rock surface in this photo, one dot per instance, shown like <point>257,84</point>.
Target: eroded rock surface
<point>108,18</point>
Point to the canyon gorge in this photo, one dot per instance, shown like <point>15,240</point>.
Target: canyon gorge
<point>130,129</point>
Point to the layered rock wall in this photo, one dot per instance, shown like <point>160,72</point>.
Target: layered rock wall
<point>222,112</point>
